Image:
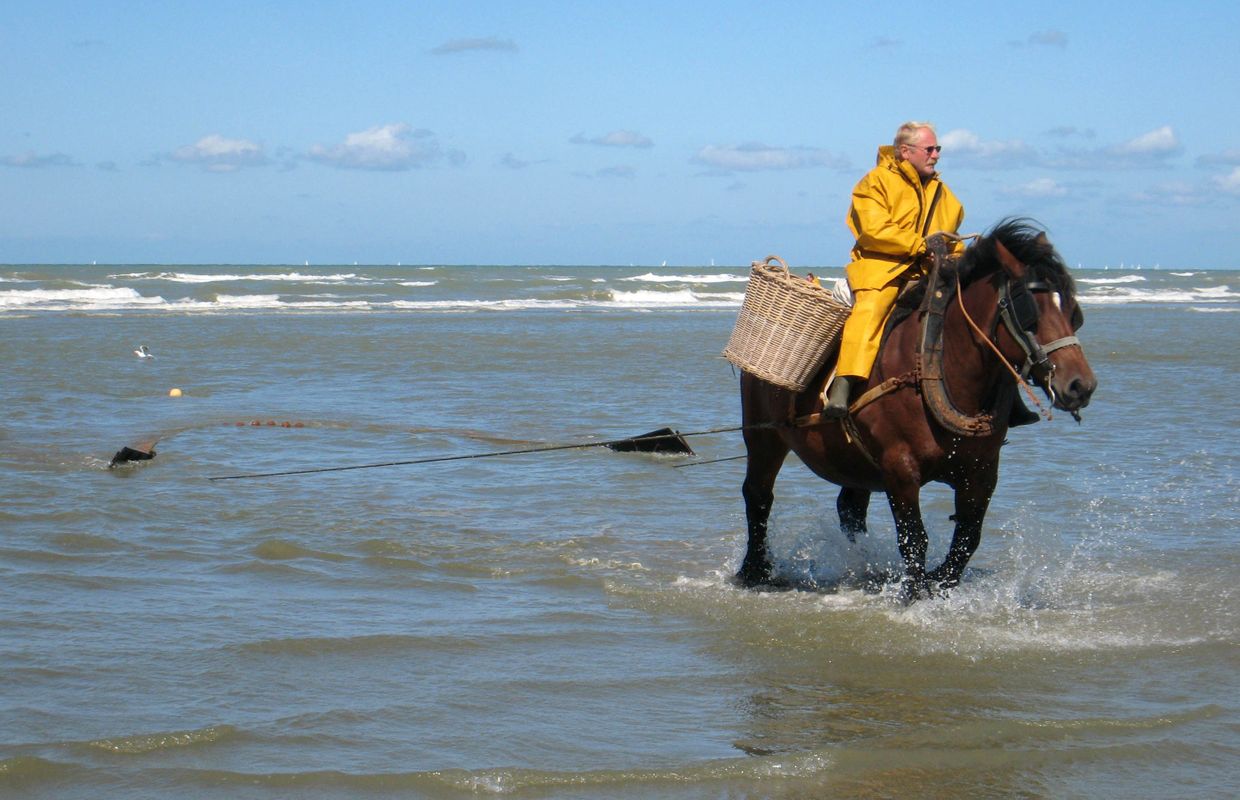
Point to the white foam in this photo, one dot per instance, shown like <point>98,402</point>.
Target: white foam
<point>651,277</point>
<point>1125,279</point>
<point>647,298</point>
<point>1116,295</point>
<point>94,298</point>
<point>197,277</point>
<point>248,300</point>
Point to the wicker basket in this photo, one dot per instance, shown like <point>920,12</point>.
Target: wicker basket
<point>787,327</point>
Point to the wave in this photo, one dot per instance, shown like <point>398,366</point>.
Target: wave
<point>1119,295</point>
<point>644,298</point>
<point>199,277</point>
<point>1107,281</point>
<point>475,290</point>
<point>751,771</point>
<point>70,299</point>
<point>280,550</point>
<point>138,744</point>
<point>650,277</point>
<point>369,644</point>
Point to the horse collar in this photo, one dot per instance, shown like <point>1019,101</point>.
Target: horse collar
<point>930,360</point>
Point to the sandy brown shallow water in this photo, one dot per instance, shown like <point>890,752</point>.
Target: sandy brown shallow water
<point>563,625</point>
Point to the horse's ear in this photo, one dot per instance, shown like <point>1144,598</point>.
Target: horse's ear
<point>1042,241</point>
<point>1011,265</point>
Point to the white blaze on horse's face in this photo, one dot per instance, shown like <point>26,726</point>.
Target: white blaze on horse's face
<point>1058,301</point>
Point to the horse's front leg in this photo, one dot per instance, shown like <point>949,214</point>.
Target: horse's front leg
<point>852,505</point>
<point>905,501</point>
<point>973,493</point>
<point>766,455</point>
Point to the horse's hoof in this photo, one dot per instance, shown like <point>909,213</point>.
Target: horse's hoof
<point>760,578</point>
<point>942,581</point>
<point>912,590</point>
<point>752,578</point>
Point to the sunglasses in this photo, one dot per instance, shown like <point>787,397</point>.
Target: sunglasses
<point>932,149</point>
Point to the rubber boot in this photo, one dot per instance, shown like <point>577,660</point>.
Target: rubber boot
<point>1020,413</point>
<point>837,397</point>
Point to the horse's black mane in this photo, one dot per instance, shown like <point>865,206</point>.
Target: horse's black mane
<point>1024,239</point>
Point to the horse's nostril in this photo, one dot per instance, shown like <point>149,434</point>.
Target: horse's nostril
<point>1081,390</point>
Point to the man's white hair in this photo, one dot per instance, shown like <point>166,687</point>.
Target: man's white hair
<point>907,132</point>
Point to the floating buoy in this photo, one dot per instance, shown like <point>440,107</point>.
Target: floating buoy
<point>174,392</point>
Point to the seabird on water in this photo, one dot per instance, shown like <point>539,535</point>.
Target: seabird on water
<point>143,352</point>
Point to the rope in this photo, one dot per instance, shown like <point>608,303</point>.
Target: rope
<point>441,459</point>
<point>711,461</point>
<point>1046,414</point>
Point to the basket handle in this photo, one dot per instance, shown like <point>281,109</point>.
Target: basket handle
<point>768,261</point>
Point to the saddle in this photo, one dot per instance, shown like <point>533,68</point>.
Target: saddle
<point>928,295</point>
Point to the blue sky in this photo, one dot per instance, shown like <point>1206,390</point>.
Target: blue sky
<point>603,133</point>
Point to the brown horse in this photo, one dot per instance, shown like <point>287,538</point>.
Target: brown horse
<point>940,415</point>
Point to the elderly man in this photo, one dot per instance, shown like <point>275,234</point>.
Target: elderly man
<point>894,208</point>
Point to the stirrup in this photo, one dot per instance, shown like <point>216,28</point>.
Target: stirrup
<point>837,398</point>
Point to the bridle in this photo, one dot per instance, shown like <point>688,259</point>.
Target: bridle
<point>1020,316</point>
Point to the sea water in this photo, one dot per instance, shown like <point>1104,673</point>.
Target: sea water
<point>563,624</point>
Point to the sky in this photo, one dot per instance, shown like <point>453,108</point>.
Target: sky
<point>581,133</point>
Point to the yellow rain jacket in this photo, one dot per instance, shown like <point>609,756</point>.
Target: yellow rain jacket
<point>888,217</point>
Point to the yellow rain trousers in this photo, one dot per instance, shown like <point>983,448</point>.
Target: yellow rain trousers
<point>888,217</point>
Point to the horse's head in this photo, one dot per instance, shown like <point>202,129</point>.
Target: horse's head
<point>1039,312</point>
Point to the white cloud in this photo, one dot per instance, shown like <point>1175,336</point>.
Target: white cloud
<point>966,148</point>
<point>1151,149</point>
<point>755,156</point>
<point>468,45</point>
<point>1229,183</point>
<point>215,153</point>
<point>1040,187</point>
<point>615,139</point>
<point>391,148</point>
<point>1158,143</point>
<point>32,160</point>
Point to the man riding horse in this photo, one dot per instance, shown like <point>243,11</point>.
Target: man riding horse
<point>895,207</point>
